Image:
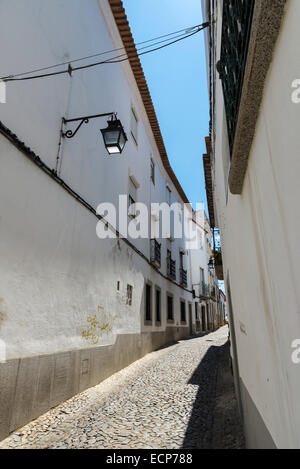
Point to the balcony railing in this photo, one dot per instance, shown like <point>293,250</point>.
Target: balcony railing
<point>171,268</point>
<point>183,277</point>
<point>204,289</point>
<point>237,21</point>
<point>155,253</point>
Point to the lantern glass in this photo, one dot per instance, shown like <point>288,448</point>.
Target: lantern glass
<point>113,150</point>
<point>111,137</point>
<point>122,140</point>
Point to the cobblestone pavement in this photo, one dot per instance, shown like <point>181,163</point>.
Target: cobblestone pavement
<point>178,397</point>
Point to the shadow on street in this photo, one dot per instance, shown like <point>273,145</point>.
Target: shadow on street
<point>215,405</point>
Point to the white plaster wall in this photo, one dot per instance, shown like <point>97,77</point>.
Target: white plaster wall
<point>54,271</point>
<point>260,231</point>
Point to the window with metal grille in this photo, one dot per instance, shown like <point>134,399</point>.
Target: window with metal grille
<point>236,28</point>
<point>129,295</point>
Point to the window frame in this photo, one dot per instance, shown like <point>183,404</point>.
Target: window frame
<point>129,296</point>
<point>169,195</point>
<point>152,171</point>
<point>148,322</point>
<point>181,259</point>
<point>171,297</point>
<point>133,114</point>
<point>131,200</point>
<point>158,291</point>
<point>183,303</point>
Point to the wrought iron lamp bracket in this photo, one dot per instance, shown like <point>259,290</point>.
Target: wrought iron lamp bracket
<point>83,120</point>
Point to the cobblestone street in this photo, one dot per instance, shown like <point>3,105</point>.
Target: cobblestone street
<point>181,396</point>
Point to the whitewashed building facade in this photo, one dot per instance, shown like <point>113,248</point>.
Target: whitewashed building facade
<point>75,308</point>
<point>203,280</point>
<point>253,72</point>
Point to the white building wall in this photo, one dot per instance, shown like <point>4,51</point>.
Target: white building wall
<point>55,272</point>
<point>260,231</point>
<point>199,259</point>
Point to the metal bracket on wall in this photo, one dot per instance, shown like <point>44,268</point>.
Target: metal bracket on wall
<point>82,120</point>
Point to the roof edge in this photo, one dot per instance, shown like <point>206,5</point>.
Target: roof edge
<point>122,23</point>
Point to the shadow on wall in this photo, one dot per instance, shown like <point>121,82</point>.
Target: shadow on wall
<point>214,422</point>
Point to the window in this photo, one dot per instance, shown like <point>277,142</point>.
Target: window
<point>118,286</point>
<point>152,171</point>
<point>237,21</point>
<point>190,313</point>
<point>202,283</point>
<point>182,311</point>
<point>148,303</point>
<point>132,198</point>
<point>196,311</point>
<point>170,308</point>
<point>129,295</point>
<point>158,306</point>
<point>169,195</point>
<point>131,207</point>
<point>180,215</point>
<point>200,238</point>
<point>134,125</point>
<point>181,254</point>
<point>201,275</point>
<point>203,318</point>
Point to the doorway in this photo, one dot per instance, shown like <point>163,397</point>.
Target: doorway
<point>203,318</point>
<point>208,316</point>
<point>190,319</point>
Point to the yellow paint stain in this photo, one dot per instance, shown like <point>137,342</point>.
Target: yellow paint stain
<point>98,324</point>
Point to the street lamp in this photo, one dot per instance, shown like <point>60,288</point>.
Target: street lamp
<point>211,264</point>
<point>114,135</point>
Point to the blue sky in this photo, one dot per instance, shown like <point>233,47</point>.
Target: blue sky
<point>177,81</point>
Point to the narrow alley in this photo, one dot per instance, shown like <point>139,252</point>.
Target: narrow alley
<point>181,396</point>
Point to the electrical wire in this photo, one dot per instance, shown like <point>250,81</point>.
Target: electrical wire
<point>119,58</point>
<point>116,59</point>
<point>98,54</point>
<point>161,47</point>
<point>125,55</point>
<point>110,60</point>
